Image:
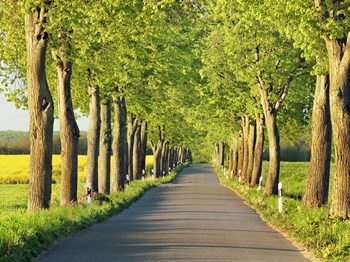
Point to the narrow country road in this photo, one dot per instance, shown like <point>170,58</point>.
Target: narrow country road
<point>192,219</point>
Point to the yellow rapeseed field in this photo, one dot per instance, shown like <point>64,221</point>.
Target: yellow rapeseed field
<point>14,169</point>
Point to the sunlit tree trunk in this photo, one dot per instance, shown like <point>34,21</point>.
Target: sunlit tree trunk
<point>234,156</point>
<point>143,145</point>
<point>240,153</point>
<point>93,138</point>
<point>316,193</point>
<point>69,134</point>
<point>41,112</point>
<point>271,186</point>
<point>258,150</point>
<point>245,127</point>
<point>132,124</point>
<point>251,144</point>
<point>339,61</point>
<point>137,153</point>
<point>119,143</point>
<point>104,183</point>
<point>157,153</point>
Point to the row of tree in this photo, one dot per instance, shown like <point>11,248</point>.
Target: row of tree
<point>132,55</point>
<point>270,60</point>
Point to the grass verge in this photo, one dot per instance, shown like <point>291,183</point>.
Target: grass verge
<point>327,239</point>
<point>25,235</point>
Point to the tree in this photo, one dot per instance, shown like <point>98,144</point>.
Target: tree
<point>40,108</point>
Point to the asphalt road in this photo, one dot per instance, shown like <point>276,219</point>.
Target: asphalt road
<point>192,219</point>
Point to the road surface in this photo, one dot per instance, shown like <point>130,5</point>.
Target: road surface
<point>192,219</point>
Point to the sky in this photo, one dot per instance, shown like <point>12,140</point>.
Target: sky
<point>18,120</point>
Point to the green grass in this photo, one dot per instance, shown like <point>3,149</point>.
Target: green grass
<point>327,239</point>
<point>24,235</point>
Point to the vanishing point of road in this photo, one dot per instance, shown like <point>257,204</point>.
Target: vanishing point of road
<point>192,219</point>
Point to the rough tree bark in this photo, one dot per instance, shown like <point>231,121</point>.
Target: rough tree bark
<point>143,145</point>
<point>245,128</point>
<point>240,153</point>
<point>234,156</point>
<point>132,125</point>
<point>41,112</point>
<point>93,138</point>
<point>339,62</point>
<point>69,133</point>
<point>221,154</point>
<point>316,193</point>
<point>104,183</point>
<point>258,150</point>
<point>157,152</point>
<point>137,170</point>
<point>119,143</point>
<point>270,113</point>
<point>251,144</point>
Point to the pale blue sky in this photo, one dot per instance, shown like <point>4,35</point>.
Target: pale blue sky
<point>17,119</point>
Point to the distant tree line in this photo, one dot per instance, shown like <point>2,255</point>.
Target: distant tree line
<point>17,143</point>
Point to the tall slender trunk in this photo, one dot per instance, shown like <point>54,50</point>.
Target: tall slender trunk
<point>69,134</point>
<point>143,145</point>
<point>339,62</point>
<point>234,156</point>
<point>316,193</point>
<point>104,178</point>
<point>119,143</point>
<point>245,127</point>
<point>132,125</point>
<point>240,153</point>
<point>221,155</point>
<point>137,153</point>
<point>271,186</point>
<point>157,153</point>
<point>164,158</point>
<point>41,112</point>
<point>93,138</point>
<point>251,144</point>
<point>258,150</point>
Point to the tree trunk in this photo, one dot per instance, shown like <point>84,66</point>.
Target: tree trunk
<point>93,138</point>
<point>132,125</point>
<point>271,186</point>
<point>157,153</point>
<point>251,144</point>
<point>137,171</point>
<point>69,134</point>
<point>143,145</point>
<point>240,153</point>
<point>104,179</point>
<point>245,126</point>
<point>339,61</point>
<point>41,112</point>
<point>316,193</point>
<point>234,157</point>
<point>119,143</point>
<point>258,150</point>
<point>221,154</point>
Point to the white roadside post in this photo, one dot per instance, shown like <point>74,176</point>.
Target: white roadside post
<point>260,182</point>
<point>127,182</point>
<point>89,198</point>
<point>152,174</point>
<point>163,173</point>
<point>239,175</point>
<point>280,197</point>
<point>143,174</point>
<point>231,173</point>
